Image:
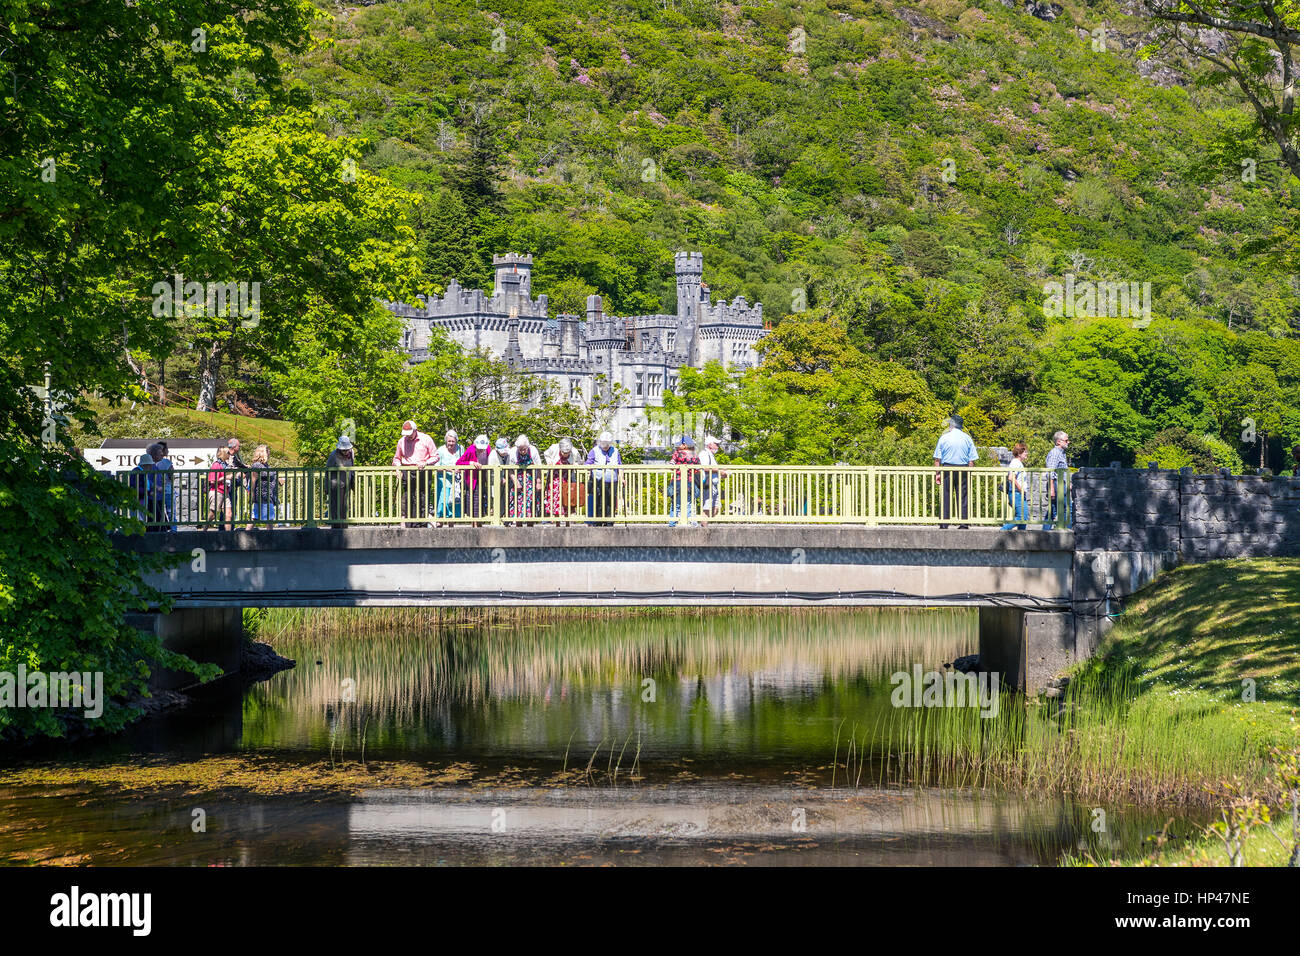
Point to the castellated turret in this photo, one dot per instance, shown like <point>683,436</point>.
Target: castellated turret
<point>585,356</point>
<point>514,274</point>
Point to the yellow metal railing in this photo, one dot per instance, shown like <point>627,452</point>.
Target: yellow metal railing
<point>629,494</point>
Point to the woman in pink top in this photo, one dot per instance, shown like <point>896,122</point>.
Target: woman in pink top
<point>218,502</point>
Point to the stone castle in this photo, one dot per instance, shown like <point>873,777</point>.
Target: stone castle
<point>586,355</point>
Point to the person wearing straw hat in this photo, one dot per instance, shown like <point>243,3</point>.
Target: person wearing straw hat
<point>477,489</point>
<point>604,478</point>
<point>413,455</point>
<point>339,481</point>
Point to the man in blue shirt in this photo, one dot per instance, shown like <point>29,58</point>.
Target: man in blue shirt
<point>955,449</point>
<point>1056,460</point>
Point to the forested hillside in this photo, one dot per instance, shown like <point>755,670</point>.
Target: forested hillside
<point>913,175</point>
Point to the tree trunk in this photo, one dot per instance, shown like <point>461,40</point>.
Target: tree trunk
<point>208,379</point>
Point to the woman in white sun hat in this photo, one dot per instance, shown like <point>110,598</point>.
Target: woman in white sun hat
<point>712,475</point>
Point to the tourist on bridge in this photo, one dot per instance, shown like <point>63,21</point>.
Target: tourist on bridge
<point>565,493</point>
<point>710,480</point>
<point>1018,488</point>
<point>478,490</point>
<point>163,488</point>
<point>415,452</point>
<point>523,464</point>
<point>954,450</point>
<point>339,479</point>
<point>1056,461</point>
<point>218,492</point>
<point>234,477</point>
<point>449,484</point>
<point>501,459</point>
<point>264,488</point>
<point>684,482</point>
<point>604,479</point>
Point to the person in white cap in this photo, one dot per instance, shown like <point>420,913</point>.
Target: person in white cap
<point>415,452</point>
<point>565,492</point>
<point>524,461</point>
<point>478,488</point>
<point>712,475</point>
<point>449,485</point>
<point>339,481</point>
<point>604,479</point>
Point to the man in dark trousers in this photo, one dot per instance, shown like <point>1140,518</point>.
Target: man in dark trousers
<point>954,450</point>
<point>338,484</point>
<point>233,481</point>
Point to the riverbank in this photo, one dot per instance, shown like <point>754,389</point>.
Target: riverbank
<point>1212,654</point>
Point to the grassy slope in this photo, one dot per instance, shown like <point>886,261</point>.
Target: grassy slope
<point>1190,640</point>
<point>151,421</point>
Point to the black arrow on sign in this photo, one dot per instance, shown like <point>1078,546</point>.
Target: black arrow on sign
<point>103,461</point>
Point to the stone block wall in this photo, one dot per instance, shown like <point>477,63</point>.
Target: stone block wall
<point>1129,525</point>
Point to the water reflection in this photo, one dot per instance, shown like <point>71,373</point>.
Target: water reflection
<point>766,686</point>
<point>754,737</point>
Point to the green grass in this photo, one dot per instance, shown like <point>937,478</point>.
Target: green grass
<point>153,421</point>
<point>1206,628</point>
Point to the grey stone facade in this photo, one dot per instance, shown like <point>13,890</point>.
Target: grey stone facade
<point>1130,525</point>
<point>585,356</point>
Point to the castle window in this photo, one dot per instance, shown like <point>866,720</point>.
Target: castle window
<point>656,385</point>
<point>672,382</point>
<point>575,388</point>
<point>739,353</point>
<point>670,341</point>
<point>640,385</point>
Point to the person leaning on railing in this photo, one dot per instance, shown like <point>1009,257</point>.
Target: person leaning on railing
<point>415,452</point>
<point>478,492</point>
<point>339,480</point>
<point>565,493</point>
<point>524,462</point>
<point>449,484</point>
<point>604,479</point>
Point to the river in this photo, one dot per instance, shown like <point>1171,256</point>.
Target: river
<point>752,737</point>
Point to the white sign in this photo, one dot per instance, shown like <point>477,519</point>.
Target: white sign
<point>124,459</point>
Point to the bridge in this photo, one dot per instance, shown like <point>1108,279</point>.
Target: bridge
<point>825,537</point>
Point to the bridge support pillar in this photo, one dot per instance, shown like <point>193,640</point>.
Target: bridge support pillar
<point>210,635</point>
<point>1026,647</point>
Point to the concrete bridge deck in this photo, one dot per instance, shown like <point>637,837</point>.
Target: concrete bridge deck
<point>635,565</point>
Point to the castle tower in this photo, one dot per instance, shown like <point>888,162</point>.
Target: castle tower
<point>690,273</point>
<point>569,336</point>
<point>514,274</point>
<point>690,276</point>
